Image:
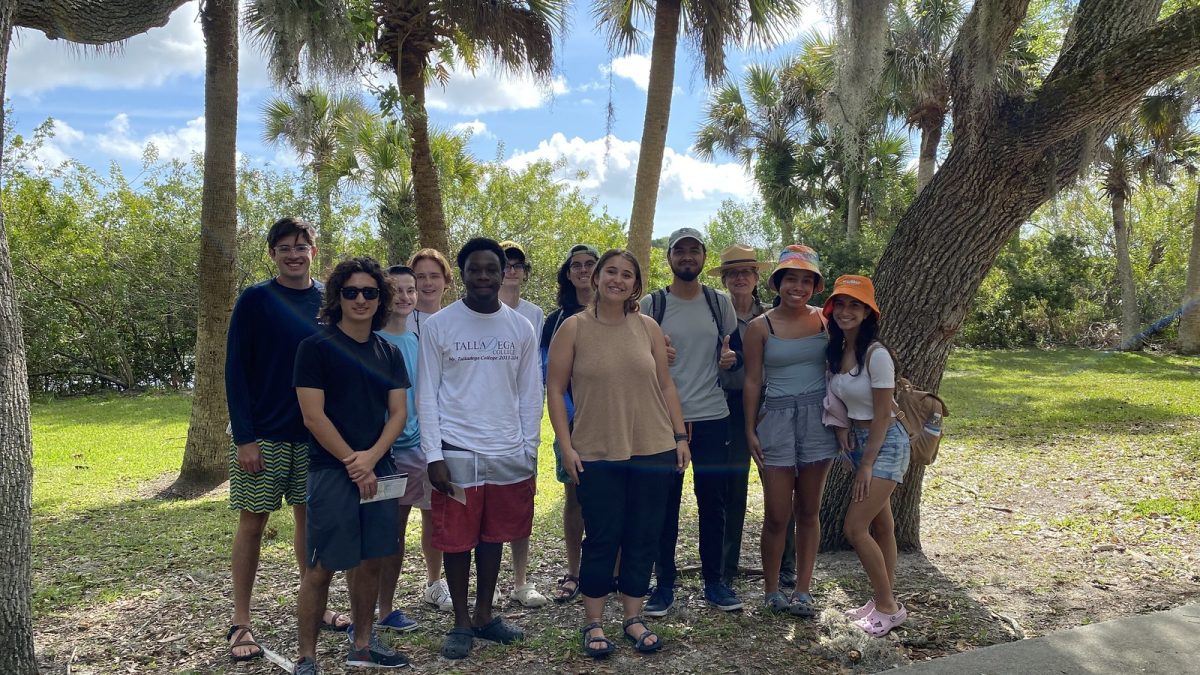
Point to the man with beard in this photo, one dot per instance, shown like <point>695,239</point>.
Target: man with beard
<point>701,325</point>
<point>479,406</point>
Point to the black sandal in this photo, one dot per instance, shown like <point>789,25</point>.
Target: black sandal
<point>596,652</point>
<point>334,626</point>
<point>640,641</point>
<point>240,631</point>
<point>572,593</point>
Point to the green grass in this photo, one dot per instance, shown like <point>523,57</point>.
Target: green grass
<point>1187,509</point>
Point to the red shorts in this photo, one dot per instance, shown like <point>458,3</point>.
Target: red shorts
<point>493,514</point>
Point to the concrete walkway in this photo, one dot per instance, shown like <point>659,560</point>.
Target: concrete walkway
<point>1162,642</point>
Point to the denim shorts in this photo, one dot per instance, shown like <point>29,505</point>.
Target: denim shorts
<point>892,461</point>
<point>791,433</point>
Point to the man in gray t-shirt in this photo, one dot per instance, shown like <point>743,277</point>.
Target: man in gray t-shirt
<point>701,327</point>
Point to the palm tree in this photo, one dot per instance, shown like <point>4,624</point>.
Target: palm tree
<point>204,457</point>
<point>309,121</point>
<point>710,25</point>
<point>1147,146</point>
<point>375,155</point>
<point>408,35</point>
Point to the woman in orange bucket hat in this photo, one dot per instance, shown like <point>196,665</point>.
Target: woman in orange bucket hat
<point>864,379</point>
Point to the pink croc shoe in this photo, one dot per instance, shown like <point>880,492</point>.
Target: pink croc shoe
<point>878,624</point>
<point>861,612</point>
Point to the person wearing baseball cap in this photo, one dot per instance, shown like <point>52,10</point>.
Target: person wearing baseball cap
<point>877,446</point>
<point>740,272</point>
<point>785,350</point>
<point>699,323</point>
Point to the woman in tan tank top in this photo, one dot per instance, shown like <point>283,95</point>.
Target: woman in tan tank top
<point>627,441</point>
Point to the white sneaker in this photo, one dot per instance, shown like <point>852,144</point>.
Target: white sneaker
<point>438,595</point>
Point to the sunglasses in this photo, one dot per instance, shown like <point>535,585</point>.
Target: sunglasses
<point>351,292</point>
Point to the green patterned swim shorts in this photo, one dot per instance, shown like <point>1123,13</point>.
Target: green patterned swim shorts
<point>283,478</point>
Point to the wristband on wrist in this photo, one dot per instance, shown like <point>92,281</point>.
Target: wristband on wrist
<point>680,437</point>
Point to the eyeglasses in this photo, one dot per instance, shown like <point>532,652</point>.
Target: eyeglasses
<point>578,266</point>
<point>298,248</point>
<point>519,267</point>
<point>351,292</point>
<point>742,272</point>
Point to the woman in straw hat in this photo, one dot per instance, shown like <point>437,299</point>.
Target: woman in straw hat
<point>740,272</point>
<point>787,437</point>
<point>864,379</point>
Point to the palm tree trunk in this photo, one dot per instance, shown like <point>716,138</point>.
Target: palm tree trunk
<point>927,161</point>
<point>654,127</point>
<point>853,204</point>
<point>16,445</point>
<point>431,221</point>
<point>1129,309</point>
<point>1189,325</point>
<point>205,461</point>
<point>325,247</point>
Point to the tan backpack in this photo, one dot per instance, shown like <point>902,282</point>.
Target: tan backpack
<point>919,412</point>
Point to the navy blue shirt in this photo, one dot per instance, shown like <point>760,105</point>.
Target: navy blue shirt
<point>268,323</point>
<point>356,378</point>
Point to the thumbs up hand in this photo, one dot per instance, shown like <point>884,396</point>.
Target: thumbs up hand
<point>670,350</point>
<point>728,357</point>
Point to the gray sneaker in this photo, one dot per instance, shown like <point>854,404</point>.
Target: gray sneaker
<point>375,655</point>
<point>306,666</point>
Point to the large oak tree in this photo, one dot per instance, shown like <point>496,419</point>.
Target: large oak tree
<point>1010,154</point>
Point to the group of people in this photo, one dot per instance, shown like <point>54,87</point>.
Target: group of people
<point>355,399</point>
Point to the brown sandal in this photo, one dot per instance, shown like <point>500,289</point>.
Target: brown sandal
<point>333,626</point>
<point>240,631</point>
<point>570,592</point>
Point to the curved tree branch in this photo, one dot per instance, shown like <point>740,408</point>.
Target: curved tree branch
<point>1113,80</point>
<point>982,40</point>
<point>93,22</point>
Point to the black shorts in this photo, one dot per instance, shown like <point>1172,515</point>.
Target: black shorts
<point>339,532</point>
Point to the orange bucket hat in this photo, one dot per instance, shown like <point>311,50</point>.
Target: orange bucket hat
<point>855,286</point>
<point>797,257</point>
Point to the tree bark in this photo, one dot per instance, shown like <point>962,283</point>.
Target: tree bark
<point>654,127</point>
<point>853,204</point>
<point>1130,341</point>
<point>205,462</point>
<point>431,220</point>
<point>1189,324</point>
<point>927,160</point>
<point>16,445</point>
<point>93,22</point>
<point>325,249</point>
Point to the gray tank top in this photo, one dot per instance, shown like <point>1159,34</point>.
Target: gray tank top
<point>795,366</point>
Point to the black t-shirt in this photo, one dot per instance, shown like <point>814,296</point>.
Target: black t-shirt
<point>356,378</point>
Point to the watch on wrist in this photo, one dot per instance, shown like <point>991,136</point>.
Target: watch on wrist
<point>680,437</point>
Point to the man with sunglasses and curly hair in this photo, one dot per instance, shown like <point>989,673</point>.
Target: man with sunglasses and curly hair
<point>351,385</point>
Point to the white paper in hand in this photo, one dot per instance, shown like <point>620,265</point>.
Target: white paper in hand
<point>390,487</point>
<point>458,493</point>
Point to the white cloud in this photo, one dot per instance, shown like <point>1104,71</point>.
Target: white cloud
<point>489,89</point>
<point>635,68</point>
<point>610,172</point>
<point>117,142</point>
<point>475,128</point>
<point>37,64</point>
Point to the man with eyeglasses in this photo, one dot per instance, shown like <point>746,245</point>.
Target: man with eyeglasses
<point>352,388</point>
<point>516,274</point>
<point>268,455</point>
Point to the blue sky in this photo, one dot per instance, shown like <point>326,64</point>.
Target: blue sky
<point>108,106</point>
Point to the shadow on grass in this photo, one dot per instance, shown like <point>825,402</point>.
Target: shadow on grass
<point>105,553</point>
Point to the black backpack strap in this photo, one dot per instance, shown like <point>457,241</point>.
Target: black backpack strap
<point>710,297</point>
<point>658,305</point>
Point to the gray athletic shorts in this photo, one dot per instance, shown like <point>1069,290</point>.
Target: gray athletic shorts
<point>791,433</point>
<point>340,533</point>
